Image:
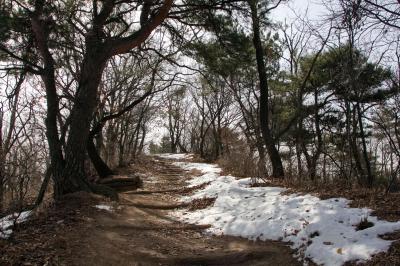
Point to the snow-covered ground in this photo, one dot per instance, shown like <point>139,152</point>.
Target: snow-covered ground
<point>104,207</point>
<point>8,221</point>
<point>210,172</point>
<point>321,230</point>
<point>175,156</point>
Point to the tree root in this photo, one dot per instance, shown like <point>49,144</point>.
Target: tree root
<point>122,184</point>
<point>105,190</point>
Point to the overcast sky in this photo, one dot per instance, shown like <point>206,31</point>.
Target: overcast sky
<point>287,10</point>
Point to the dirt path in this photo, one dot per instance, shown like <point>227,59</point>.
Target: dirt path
<point>140,232</point>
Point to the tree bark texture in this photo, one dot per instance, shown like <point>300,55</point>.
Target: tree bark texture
<point>277,166</point>
<point>68,167</point>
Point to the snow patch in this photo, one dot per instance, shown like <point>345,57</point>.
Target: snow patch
<point>321,230</point>
<point>8,221</point>
<point>104,207</point>
<point>210,172</point>
<point>175,156</point>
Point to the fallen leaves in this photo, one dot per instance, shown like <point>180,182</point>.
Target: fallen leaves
<point>202,203</point>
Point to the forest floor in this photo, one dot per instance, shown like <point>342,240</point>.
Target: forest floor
<point>137,230</point>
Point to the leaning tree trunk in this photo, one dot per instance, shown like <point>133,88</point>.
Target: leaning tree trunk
<point>277,167</point>
<point>81,117</point>
<point>101,167</point>
<point>141,145</point>
<point>52,101</point>
<point>55,150</point>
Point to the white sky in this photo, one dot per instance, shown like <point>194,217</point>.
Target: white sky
<point>288,10</point>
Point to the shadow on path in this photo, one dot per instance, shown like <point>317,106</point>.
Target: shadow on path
<point>140,232</point>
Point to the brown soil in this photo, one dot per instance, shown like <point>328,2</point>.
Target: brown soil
<point>139,231</point>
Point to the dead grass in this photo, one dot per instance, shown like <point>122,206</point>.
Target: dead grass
<point>195,173</point>
<point>198,204</point>
<point>238,164</point>
<point>189,190</point>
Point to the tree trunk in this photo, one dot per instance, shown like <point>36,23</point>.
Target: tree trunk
<point>261,165</point>
<point>55,151</point>
<point>101,167</point>
<point>43,187</point>
<point>143,137</point>
<point>370,177</point>
<point>277,167</point>
<point>173,147</point>
<point>1,163</point>
<point>1,187</point>
<point>52,101</point>
<point>81,115</point>
<point>182,148</point>
<point>309,161</point>
<point>313,160</point>
<point>355,149</point>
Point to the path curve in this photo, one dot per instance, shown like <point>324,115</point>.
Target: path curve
<point>140,231</point>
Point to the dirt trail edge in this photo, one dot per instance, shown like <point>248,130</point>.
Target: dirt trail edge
<point>140,232</point>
